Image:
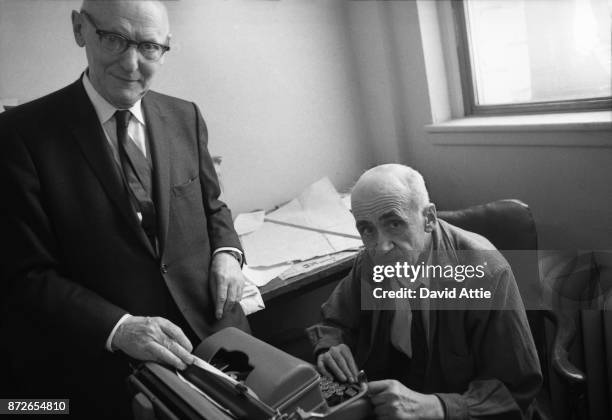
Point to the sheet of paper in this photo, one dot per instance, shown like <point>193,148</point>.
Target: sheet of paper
<point>346,200</point>
<point>202,364</point>
<point>319,210</point>
<point>251,300</point>
<point>306,266</point>
<point>249,222</point>
<point>261,276</point>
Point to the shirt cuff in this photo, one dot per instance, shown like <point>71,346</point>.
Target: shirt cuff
<point>455,406</point>
<point>231,249</point>
<point>109,340</point>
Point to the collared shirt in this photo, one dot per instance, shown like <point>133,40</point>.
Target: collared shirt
<point>106,115</point>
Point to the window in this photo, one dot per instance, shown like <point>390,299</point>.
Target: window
<point>520,56</point>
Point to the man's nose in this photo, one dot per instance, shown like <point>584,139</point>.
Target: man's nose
<point>129,59</point>
<point>384,244</point>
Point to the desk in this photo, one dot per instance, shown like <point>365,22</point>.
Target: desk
<point>293,305</point>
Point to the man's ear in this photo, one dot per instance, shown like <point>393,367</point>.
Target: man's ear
<point>431,218</point>
<point>77,28</point>
<point>162,60</point>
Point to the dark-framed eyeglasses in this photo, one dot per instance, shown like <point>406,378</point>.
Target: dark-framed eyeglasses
<point>115,43</point>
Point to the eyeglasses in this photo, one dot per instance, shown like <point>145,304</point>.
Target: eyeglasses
<point>116,43</point>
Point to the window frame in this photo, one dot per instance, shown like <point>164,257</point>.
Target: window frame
<point>471,107</point>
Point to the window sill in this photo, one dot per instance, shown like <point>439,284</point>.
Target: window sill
<point>572,122</point>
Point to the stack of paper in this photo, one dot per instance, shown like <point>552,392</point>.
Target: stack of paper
<point>316,223</point>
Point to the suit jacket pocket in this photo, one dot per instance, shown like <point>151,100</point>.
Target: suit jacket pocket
<point>187,224</point>
<point>186,187</point>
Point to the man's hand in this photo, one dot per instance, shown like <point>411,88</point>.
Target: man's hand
<point>226,282</point>
<point>155,339</point>
<point>338,362</point>
<point>392,400</point>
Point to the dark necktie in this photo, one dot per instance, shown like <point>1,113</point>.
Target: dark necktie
<point>137,175</point>
<point>410,371</point>
<point>418,364</point>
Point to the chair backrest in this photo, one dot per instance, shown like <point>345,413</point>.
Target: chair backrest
<point>510,226</point>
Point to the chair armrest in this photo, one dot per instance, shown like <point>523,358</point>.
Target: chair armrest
<point>565,331</point>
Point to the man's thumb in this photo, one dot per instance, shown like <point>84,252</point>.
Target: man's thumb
<point>376,387</point>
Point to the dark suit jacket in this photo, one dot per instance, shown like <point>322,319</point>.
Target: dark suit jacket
<point>77,258</point>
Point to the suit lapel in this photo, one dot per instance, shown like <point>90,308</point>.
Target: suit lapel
<point>91,138</point>
<point>159,140</point>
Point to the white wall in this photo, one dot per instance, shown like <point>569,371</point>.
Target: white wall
<point>38,54</point>
<point>274,81</point>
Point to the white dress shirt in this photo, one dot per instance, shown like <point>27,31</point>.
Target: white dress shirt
<point>106,112</point>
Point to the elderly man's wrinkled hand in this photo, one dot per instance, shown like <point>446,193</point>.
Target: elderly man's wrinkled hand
<point>393,400</point>
<point>155,339</point>
<point>226,282</point>
<point>338,362</point>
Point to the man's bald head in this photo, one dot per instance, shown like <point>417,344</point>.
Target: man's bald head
<point>389,185</point>
<point>153,9</point>
<point>392,212</point>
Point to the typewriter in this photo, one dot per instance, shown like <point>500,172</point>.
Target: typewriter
<point>237,376</point>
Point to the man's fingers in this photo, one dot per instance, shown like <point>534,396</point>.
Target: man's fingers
<point>338,357</point>
<point>175,333</point>
<point>163,355</point>
<point>330,362</point>
<point>322,368</point>
<point>350,361</point>
<point>241,287</point>
<point>180,352</point>
<point>381,398</point>
<point>239,291</point>
<point>236,290</point>
<point>228,281</point>
<point>232,296</point>
<point>176,349</point>
<point>221,297</point>
<point>376,387</point>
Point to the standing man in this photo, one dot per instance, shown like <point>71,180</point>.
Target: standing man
<point>117,242</point>
<point>450,362</point>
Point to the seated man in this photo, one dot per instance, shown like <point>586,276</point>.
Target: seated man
<point>429,363</point>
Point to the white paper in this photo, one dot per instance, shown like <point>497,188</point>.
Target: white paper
<point>306,266</point>
<point>251,300</point>
<point>202,364</point>
<point>262,275</point>
<point>346,200</point>
<point>319,208</point>
<point>249,222</point>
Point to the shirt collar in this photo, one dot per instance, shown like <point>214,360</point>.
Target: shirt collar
<point>104,109</point>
